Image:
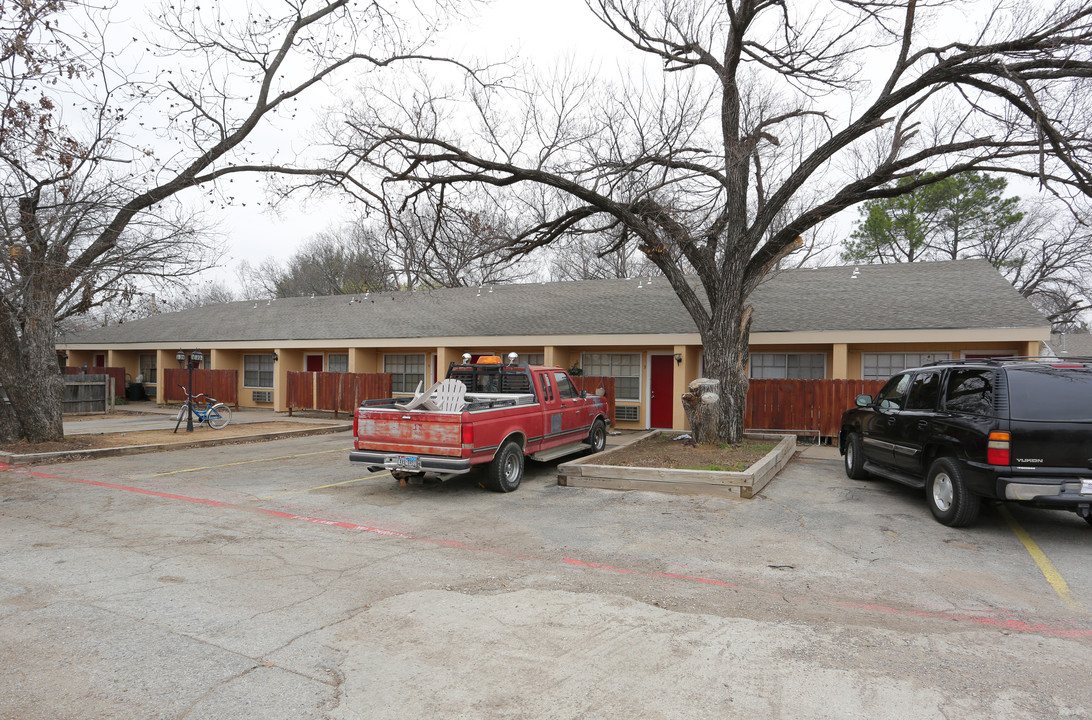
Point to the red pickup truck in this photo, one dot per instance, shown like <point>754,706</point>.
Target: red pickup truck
<point>507,412</point>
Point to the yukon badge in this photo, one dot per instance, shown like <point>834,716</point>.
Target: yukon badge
<point>1030,461</point>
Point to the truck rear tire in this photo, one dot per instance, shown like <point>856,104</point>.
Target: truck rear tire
<point>506,470</point>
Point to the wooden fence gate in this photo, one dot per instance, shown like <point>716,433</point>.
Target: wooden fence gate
<point>220,384</point>
<point>339,392</point>
<point>808,407</point>
<point>118,373</point>
<point>86,394</point>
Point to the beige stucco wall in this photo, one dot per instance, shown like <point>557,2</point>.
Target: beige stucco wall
<point>843,353</point>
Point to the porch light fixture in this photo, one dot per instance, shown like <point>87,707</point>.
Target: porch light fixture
<point>273,355</point>
<point>180,356</point>
<point>678,358</point>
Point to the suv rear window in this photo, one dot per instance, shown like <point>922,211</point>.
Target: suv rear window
<point>1046,393</point>
<point>970,391</point>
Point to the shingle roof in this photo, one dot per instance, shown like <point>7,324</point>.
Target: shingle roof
<point>1074,344</point>
<point>955,294</point>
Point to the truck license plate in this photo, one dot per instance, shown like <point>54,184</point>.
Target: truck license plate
<point>407,462</point>
<point>1086,487</point>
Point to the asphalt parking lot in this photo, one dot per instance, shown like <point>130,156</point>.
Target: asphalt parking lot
<point>274,580</point>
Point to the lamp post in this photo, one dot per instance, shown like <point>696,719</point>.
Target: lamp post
<point>195,357</point>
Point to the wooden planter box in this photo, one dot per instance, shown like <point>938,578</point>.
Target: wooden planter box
<point>595,471</point>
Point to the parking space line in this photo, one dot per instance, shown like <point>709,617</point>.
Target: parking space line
<point>320,487</point>
<point>248,462</point>
<point>1049,572</point>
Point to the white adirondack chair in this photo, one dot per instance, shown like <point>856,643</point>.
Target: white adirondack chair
<point>450,395</point>
<point>444,396</point>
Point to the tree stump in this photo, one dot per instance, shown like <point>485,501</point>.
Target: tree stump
<point>700,405</point>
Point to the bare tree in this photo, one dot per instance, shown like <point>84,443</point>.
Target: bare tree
<point>339,261</point>
<point>583,257</point>
<point>136,303</point>
<point>140,131</point>
<point>451,246</point>
<point>405,250</point>
<point>762,107</point>
<point>1047,257</point>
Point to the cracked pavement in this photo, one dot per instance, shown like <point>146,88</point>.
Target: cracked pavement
<point>274,580</point>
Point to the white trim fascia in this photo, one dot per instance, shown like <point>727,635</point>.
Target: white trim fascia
<point>859,337</point>
<point>415,343</point>
<point>987,351</point>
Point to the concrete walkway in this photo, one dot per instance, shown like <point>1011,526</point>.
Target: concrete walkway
<point>136,416</point>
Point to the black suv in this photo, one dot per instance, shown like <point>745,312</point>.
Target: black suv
<point>1007,429</point>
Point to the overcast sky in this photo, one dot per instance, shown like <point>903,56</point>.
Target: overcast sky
<point>542,33</point>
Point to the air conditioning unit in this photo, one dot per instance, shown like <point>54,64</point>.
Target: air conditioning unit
<point>627,413</point>
<point>262,396</point>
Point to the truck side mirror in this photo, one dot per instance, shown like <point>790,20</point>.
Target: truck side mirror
<point>583,393</point>
<point>863,400</point>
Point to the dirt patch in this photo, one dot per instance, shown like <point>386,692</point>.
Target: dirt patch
<point>150,437</point>
<point>664,451</point>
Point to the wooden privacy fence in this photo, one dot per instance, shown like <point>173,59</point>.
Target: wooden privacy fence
<point>343,392</point>
<point>804,406</point>
<point>340,392</point>
<point>118,373</point>
<point>220,384</point>
<point>591,384</point>
<point>86,394</point>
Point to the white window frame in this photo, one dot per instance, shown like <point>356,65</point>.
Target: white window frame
<point>272,371</point>
<point>641,382</point>
<point>147,379</point>
<point>937,356</point>
<point>750,365</point>
<point>424,371</point>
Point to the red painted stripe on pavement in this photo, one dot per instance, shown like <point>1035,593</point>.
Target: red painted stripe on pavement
<point>1007,623</point>
<point>215,503</point>
<point>992,621</point>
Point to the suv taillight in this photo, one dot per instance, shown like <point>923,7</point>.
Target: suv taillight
<point>997,449</point>
<point>356,423</point>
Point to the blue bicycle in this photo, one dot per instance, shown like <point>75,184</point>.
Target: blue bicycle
<point>215,414</point>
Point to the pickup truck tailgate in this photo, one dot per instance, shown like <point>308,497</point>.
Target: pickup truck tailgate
<point>422,433</point>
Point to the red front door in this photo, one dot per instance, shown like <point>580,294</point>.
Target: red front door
<point>314,363</point>
<point>662,402</point>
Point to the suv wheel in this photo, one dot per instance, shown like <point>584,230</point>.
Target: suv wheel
<point>950,501</point>
<point>854,457</point>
